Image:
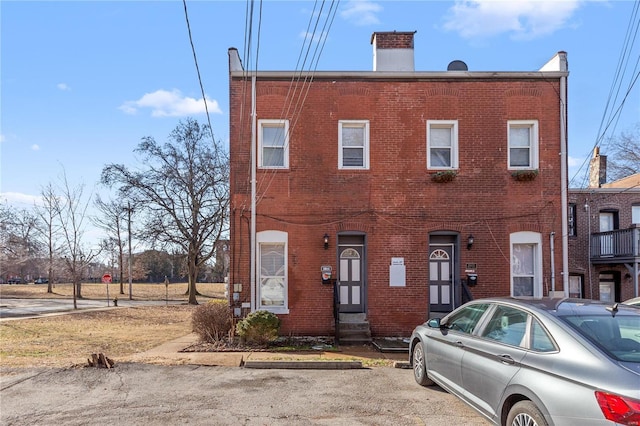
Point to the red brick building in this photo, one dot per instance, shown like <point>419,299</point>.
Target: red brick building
<point>604,236</point>
<point>394,194</point>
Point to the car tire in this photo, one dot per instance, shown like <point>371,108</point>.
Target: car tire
<point>420,366</point>
<point>525,413</point>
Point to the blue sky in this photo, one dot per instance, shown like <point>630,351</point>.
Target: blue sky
<point>83,81</point>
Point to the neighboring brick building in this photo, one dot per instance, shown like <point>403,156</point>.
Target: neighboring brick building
<point>401,183</point>
<point>604,236</point>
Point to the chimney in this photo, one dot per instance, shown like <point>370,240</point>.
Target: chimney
<point>393,51</point>
<point>597,169</point>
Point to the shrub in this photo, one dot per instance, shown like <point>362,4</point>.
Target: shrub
<point>259,327</point>
<point>212,321</point>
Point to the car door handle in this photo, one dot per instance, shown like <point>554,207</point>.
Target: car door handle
<point>506,359</point>
<point>459,344</point>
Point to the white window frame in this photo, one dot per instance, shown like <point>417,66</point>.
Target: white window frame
<point>635,214</point>
<point>452,125</point>
<point>363,124</point>
<point>527,238</point>
<point>264,123</point>
<point>272,237</point>
<point>532,125</point>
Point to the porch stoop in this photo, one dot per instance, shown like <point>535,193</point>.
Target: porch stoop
<point>353,329</point>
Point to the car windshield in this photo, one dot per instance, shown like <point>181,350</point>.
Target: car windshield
<point>618,336</point>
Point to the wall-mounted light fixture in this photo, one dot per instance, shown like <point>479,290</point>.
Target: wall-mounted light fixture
<point>326,241</point>
<point>470,242</point>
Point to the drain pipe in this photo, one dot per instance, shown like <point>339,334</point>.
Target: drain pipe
<point>553,263</point>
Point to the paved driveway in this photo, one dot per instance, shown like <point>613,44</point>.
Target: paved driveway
<point>20,308</point>
<point>145,394</point>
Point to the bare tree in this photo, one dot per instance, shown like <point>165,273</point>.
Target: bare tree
<point>19,246</point>
<point>113,222</point>
<point>49,227</point>
<point>183,191</point>
<point>623,156</point>
<point>72,212</point>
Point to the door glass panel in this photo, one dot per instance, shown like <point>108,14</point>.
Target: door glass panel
<point>446,294</point>
<point>606,292</point>
<point>445,271</point>
<point>355,295</point>
<point>433,271</point>
<point>344,295</point>
<point>355,270</point>
<point>433,295</point>
<point>344,270</point>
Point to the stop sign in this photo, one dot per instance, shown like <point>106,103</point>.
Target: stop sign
<point>106,278</point>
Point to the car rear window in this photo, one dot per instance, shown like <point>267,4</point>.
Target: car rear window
<point>619,335</point>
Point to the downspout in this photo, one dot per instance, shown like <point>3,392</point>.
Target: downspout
<point>553,262</point>
<point>563,175</point>
<point>254,163</point>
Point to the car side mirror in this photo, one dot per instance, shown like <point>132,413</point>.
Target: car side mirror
<point>435,323</point>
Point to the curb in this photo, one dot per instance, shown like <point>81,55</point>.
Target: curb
<point>304,365</point>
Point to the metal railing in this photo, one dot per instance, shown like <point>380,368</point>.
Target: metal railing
<point>617,245</point>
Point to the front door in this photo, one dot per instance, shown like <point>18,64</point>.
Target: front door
<point>350,285</point>
<point>441,278</point>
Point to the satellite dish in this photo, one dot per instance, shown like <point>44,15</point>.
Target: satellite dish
<point>457,66</point>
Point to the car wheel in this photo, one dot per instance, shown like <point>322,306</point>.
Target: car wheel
<point>525,413</point>
<point>420,366</point>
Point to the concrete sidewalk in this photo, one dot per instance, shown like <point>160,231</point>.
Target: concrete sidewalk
<point>346,357</point>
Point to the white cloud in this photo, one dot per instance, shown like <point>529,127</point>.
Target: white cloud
<point>525,19</point>
<point>361,12</point>
<point>164,103</point>
<point>35,147</point>
<point>17,198</point>
<point>63,86</point>
<point>573,161</point>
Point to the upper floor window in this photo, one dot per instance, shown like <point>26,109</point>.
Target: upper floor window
<point>526,264</point>
<point>442,144</point>
<point>635,214</point>
<point>353,141</point>
<point>273,142</point>
<point>523,144</point>
<point>571,218</point>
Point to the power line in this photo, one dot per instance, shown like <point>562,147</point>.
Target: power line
<point>195,60</point>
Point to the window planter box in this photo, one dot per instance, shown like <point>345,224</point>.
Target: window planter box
<point>524,175</point>
<point>444,176</point>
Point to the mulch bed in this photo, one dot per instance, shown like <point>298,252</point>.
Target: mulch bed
<point>281,344</point>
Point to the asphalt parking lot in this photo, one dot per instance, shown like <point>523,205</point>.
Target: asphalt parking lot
<point>144,394</point>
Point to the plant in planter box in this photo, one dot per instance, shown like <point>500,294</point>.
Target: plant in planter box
<point>444,176</point>
<point>525,175</point>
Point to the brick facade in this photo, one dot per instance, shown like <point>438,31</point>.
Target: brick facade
<point>588,204</point>
<point>395,206</point>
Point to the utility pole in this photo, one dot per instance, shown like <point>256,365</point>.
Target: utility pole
<point>129,232</point>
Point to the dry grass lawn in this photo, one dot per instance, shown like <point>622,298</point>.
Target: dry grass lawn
<point>67,340</point>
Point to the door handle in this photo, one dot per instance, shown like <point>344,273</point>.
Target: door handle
<point>506,359</point>
<point>459,344</point>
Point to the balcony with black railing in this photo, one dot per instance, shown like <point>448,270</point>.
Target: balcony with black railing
<point>618,246</point>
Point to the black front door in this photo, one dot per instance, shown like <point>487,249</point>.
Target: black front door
<point>350,281</point>
<point>441,278</point>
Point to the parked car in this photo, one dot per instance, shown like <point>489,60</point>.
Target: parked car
<point>536,361</point>
<point>633,302</point>
<point>14,280</point>
<point>41,281</point>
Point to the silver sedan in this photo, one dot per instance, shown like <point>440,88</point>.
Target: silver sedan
<point>536,361</point>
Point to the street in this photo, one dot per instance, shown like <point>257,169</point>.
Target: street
<point>142,394</point>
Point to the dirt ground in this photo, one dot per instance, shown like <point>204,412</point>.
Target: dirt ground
<point>67,340</point>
